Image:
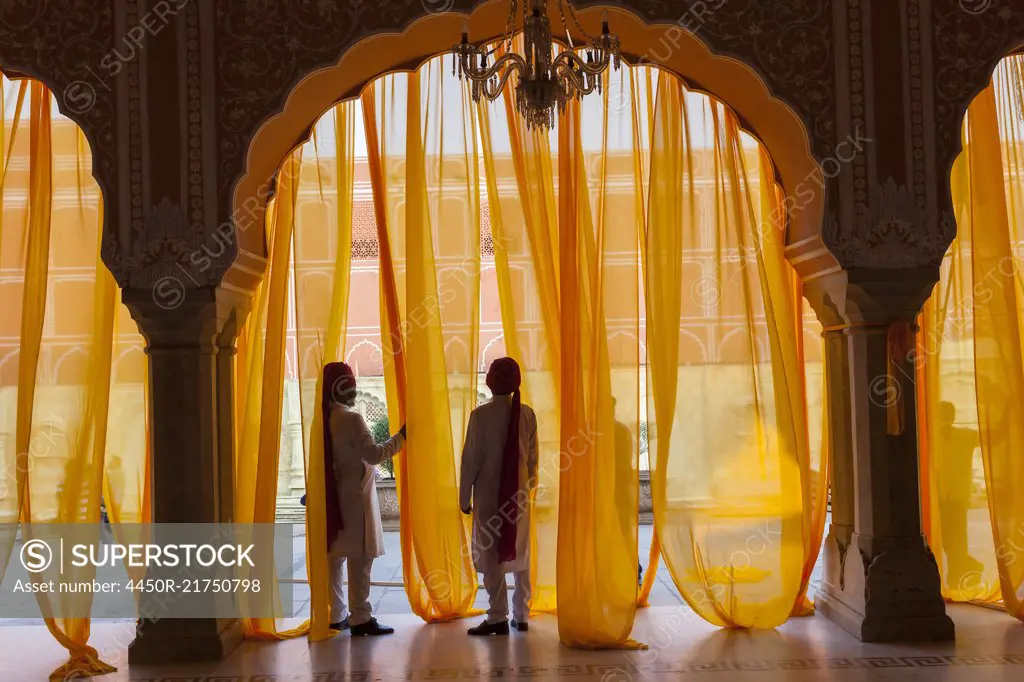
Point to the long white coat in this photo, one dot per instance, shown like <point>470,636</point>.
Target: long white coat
<point>355,458</point>
<point>481,480</point>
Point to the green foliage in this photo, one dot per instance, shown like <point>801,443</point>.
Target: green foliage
<point>381,431</point>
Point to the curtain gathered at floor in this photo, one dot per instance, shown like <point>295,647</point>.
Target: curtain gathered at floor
<point>72,396</point>
<point>739,501</point>
<point>422,148</point>
<point>970,366</point>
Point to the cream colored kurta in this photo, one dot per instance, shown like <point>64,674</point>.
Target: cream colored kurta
<point>481,480</point>
<point>355,458</point>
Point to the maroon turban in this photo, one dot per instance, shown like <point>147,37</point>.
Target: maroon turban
<point>504,378</point>
<point>338,386</point>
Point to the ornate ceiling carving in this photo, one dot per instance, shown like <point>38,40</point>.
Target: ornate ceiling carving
<point>62,44</point>
<point>260,49</point>
<point>970,38</point>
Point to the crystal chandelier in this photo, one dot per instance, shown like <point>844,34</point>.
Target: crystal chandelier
<point>545,82</point>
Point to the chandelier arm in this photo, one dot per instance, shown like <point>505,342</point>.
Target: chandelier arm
<point>483,49</point>
<point>576,84</point>
<point>508,62</point>
<point>571,61</point>
<point>492,93</point>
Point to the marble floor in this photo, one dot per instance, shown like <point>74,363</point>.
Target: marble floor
<point>989,646</point>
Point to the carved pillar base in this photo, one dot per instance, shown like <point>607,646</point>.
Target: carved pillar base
<point>189,338</point>
<point>881,581</point>
<point>889,593</point>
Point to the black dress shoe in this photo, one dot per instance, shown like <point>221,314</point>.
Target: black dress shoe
<point>522,627</point>
<point>371,628</point>
<point>486,629</point>
<point>340,625</point>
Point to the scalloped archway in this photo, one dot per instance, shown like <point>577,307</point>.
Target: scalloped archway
<point>777,126</point>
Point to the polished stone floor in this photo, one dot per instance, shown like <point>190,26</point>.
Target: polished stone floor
<point>989,646</point>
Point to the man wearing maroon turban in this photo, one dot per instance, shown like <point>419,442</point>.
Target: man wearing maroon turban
<point>353,517</point>
<point>499,471</point>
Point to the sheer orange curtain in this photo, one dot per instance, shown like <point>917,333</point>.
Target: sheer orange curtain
<point>423,164</point>
<point>733,479</point>
<point>518,170</point>
<point>62,395</point>
<point>597,587</point>
<point>260,372</point>
<point>972,373</point>
<point>321,267</point>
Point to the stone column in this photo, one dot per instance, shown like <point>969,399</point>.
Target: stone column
<point>191,412</point>
<point>881,579</point>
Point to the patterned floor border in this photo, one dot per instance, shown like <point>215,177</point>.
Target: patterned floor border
<point>625,671</point>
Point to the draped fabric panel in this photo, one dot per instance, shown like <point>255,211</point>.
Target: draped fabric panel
<point>972,373</point>
<point>518,168</point>
<point>424,174</point>
<point>732,479</point>
<point>322,289</point>
<point>72,390</point>
<point>260,373</point>
<point>599,393</point>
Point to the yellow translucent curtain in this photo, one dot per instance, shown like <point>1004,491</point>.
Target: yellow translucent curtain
<point>13,220</point>
<point>422,152</point>
<point>597,579</point>
<point>321,263</point>
<point>260,384</point>
<point>973,373</point>
<point>641,102</point>
<point>519,173</point>
<point>62,381</point>
<point>801,387</point>
<point>732,476</point>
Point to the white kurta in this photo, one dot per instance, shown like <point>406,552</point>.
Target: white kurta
<point>481,480</point>
<point>355,458</point>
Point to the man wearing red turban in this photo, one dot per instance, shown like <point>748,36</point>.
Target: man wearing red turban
<point>499,472</point>
<point>353,518</point>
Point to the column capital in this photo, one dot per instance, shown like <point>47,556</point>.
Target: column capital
<point>862,298</point>
<point>172,317</point>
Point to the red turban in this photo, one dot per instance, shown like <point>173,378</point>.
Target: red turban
<point>338,386</point>
<point>503,378</point>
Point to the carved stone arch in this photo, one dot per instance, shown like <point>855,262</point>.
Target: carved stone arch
<point>269,91</point>
<point>971,38</point>
<point>63,45</point>
<point>484,362</point>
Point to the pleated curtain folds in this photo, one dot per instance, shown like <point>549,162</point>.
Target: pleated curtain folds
<point>422,146</point>
<point>733,481</point>
<point>72,398</point>
<point>970,365</point>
